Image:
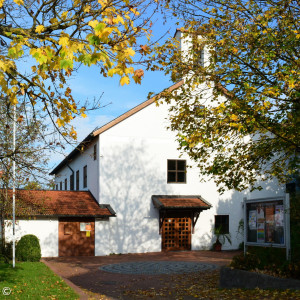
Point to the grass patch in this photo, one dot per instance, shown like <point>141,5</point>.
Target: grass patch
<point>33,280</point>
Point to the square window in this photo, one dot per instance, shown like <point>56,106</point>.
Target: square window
<point>222,222</point>
<point>176,171</point>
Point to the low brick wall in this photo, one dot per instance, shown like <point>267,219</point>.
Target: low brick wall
<point>232,278</point>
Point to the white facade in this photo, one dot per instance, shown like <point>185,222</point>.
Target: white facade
<point>85,158</point>
<point>46,230</point>
<point>131,166</point>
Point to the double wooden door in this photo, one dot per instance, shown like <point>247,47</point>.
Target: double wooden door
<point>76,237</point>
<point>176,234</point>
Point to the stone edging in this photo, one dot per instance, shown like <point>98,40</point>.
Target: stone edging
<point>233,278</point>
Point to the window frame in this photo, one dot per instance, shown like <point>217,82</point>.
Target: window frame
<point>224,225</point>
<point>177,171</point>
<point>85,176</point>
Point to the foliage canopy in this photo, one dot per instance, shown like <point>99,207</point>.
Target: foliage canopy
<point>43,42</point>
<point>238,114</point>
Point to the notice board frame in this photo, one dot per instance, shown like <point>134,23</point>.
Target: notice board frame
<point>286,205</point>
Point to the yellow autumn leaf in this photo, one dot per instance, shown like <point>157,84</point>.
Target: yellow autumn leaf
<point>39,28</point>
<point>1,3</point>
<point>234,117</point>
<point>63,41</point>
<point>124,80</point>
<point>64,15</point>
<point>129,52</point>
<point>119,19</point>
<point>13,100</point>
<point>93,23</point>
<point>60,122</point>
<point>19,2</point>
<point>133,10</point>
<point>87,8</point>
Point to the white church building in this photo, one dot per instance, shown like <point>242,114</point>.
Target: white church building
<point>127,189</point>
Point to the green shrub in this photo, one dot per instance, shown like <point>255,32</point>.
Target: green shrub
<point>247,262</point>
<point>28,248</point>
<point>270,260</point>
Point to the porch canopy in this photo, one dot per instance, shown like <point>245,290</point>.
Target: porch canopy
<point>178,205</point>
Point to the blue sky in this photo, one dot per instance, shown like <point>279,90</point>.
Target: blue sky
<point>88,83</point>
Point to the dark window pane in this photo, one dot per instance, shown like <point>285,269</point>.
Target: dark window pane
<point>85,176</point>
<point>95,152</point>
<point>171,176</point>
<point>171,165</point>
<point>222,222</point>
<point>181,165</point>
<point>181,177</point>
<point>72,182</point>
<point>77,180</point>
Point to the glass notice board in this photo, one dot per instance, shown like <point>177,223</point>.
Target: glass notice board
<point>265,222</point>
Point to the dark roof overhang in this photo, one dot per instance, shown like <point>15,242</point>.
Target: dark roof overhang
<point>79,149</point>
<point>179,202</point>
<point>192,205</point>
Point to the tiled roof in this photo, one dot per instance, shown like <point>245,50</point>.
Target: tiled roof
<point>180,202</point>
<point>110,124</point>
<point>59,203</point>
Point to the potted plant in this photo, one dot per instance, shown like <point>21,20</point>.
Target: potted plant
<point>221,238</point>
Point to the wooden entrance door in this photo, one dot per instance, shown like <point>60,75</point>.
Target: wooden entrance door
<point>76,237</point>
<point>176,234</point>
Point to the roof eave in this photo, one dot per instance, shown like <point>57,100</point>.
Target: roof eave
<point>73,153</point>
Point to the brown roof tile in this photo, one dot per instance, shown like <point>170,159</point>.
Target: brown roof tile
<point>59,203</point>
<point>179,202</point>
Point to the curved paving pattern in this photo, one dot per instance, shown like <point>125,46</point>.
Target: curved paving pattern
<point>158,267</point>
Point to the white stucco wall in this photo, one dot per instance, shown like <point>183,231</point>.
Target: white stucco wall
<point>84,159</point>
<point>46,230</point>
<point>133,167</point>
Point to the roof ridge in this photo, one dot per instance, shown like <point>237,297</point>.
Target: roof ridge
<point>112,123</point>
<point>135,109</point>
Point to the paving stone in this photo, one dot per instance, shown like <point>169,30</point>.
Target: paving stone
<point>158,267</point>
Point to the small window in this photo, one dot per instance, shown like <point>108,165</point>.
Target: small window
<point>95,151</point>
<point>77,180</point>
<point>72,182</point>
<point>57,187</point>
<point>66,184</point>
<point>176,171</point>
<point>222,222</point>
<point>199,56</point>
<point>67,229</point>
<point>60,185</point>
<point>85,176</point>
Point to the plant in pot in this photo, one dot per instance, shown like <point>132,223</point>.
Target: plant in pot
<point>221,238</point>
